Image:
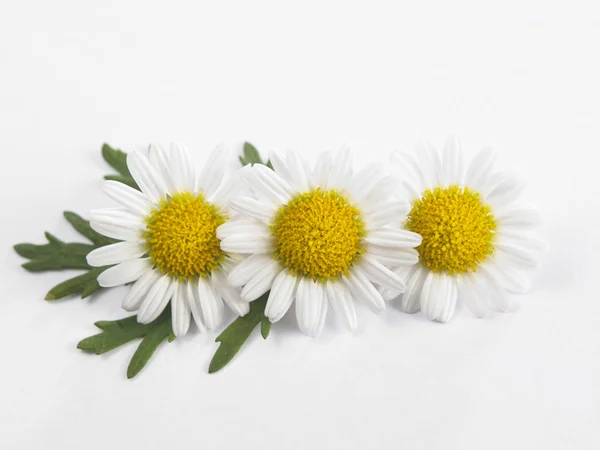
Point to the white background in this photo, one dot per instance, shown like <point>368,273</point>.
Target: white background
<point>523,76</point>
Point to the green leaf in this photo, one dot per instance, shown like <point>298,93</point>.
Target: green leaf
<point>59,255</point>
<point>84,285</point>
<point>116,333</point>
<point>118,161</point>
<point>55,255</point>
<point>250,155</point>
<point>234,336</point>
<point>265,327</point>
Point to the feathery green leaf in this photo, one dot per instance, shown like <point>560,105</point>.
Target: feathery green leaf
<point>117,159</point>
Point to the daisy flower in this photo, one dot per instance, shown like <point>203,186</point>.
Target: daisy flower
<point>322,237</point>
<point>169,248</point>
<point>477,241</point>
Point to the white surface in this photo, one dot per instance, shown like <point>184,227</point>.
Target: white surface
<point>520,75</point>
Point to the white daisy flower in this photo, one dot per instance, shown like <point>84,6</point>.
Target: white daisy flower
<point>323,236</point>
<point>170,248</point>
<point>477,242</point>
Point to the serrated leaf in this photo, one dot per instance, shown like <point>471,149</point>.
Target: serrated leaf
<point>116,333</point>
<point>55,255</point>
<point>148,346</point>
<point>84,285</point>
<point>117,159</point>
<point>234,336</point>
<point>250,155</point>
<point>83,227</point>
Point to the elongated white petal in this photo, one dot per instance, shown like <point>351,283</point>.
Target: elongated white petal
<point>480,169</point>
<point>391,212</point>
<point>180,310</point>
<point>506,276</point>
<point>320,176</point>
<point>147,178</point>
<point>254,208</point>
<point>130,198</point>
<point>374,197</point>
<point>469,295</point>
<point>506,192</point>
<point>231,295</point>
<point>211,303</point>
<point>157,299</point>
<point>322,312</point>
<point>248,268</point>
<point>452,164</point>
<point>180,168</point>
<point>116,231</point>
<point>281,296</point>
<point>299,171</point>
<point>361,288</point>
<point>341,300</point>
<point>438,297</point>
<point>279,164</point>
<point>124,273</point>
<point>115,253</point>
<point>407,166</point>
<point>341,171</point>
<point>193,298</point>
<point>404,273</point>
<point>392,257</point>
<point>410,302</point>
<point>394,238</point>
<point>247,243</point>
<point>380,275</point>
<point>271,184</point>
<point>309,303</point>
<point>243,226</point>
<point>518,218</point>
<point>497,297</point>
<point>365,180</point>
<point>430,164</point>
<point>214,170</point>
<point>261,282</point>
<point>524,250</point>
<point>118,217</point>
<point>137,292</point>
<point>159,158</point>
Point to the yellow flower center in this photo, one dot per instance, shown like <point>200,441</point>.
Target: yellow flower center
<point>181,236</point>
<point>457,229</point>
<point>318,234</point>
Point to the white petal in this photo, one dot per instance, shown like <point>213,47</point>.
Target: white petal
<point>159,158</point>
<point>392,257</point>
<point>211,303</point>
<point>116,231</point>
<point>309,304</point>
<point>279,164</point>
<point>147,178</point>
<point>299,171</point>
<point>180,310</point>
<point>518,218</point>
<point>506,191</point>
<point>411,299</point>
<point>180,168</point>
<point>438,297</point>
<point>390,212</point>
<point>230,294</point>
<point>270,185</point>
<point>365,180</point>
<point>380,275</point>
<point>341,171</point>
<point>118,217</point>
<point>322,312</point>
<point>191,293</point>
<point>230,188</point>
<point>470,296</point>
<point>480,169</point>
<point>378,194</point>
<point>404,273</point>
<point>247,243</point>
<point>496,296</point>
<point>429,162</point>
<point>130,198</point>
<point>322,170</point>
<point>524,250</point>
<point>115,253</point>
<point>254,208</point>
<point>137,292</point>
<point>281,296</point>
<point>341,300</point>
<point>157,299</point>
<point>394,238</point>
<point>244,271</point>
<point>214,170</point>
<point>406,165</point>
<point>506,276</point>
<point>452,169</point>
<point>261,282</point>
<point>361,288</point>
<point>243,226</point>
<point>124,273</point>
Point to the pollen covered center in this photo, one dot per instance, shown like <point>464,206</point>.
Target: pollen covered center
<point>181,236</point>
<point>457,229</point>
<point>318,234</point>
